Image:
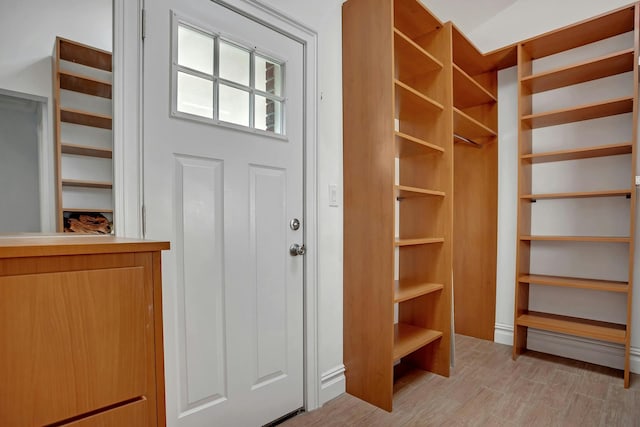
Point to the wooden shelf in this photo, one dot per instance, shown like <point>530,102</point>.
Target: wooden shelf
<point>575,282</point>
<point>408,97</point>
<point>414,242</point>
<point>467,92</point>
<point>84,84</point>
<point>410,59</point>
<point>604,66</point>
<point>406,192</point>
<point>80,210</point>
<point>409,338</point>
<point>82,54</point>
<point>604,331</point>
<point>469,127</point>
<point>579,153</point>
<point>407,146</point>
<point>603,239</point>
<point>580,113</point>
<point>85,150</point>
<point>405,291</point>
<point>85,118</point>
<point>578,195</point>
<point>86,184</point>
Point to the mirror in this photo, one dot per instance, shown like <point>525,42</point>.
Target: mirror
<point>28,186</point>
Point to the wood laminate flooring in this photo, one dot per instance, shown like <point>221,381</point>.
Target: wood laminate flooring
<point>488,388</point>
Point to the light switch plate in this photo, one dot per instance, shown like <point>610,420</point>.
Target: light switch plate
<point>637,180</point>
<point>333,195</point>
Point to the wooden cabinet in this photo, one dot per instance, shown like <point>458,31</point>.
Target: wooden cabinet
<point>81,332</point>
<point>533,82</point>
<point>82,92</point>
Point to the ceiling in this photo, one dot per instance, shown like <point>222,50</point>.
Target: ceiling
<point>493,24</point>
<point>467,14</point>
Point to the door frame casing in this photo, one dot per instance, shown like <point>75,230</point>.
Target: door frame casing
<point>128,157</point>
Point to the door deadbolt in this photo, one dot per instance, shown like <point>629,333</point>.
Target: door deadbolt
<point>294,224</point>
<point>297,249</point>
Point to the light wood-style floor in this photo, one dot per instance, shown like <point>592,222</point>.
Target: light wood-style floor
<point>487,388</point>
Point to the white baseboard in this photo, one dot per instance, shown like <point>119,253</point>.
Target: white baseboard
<point>332,384</point>
<point>587,350</point>
<point>503,334</point>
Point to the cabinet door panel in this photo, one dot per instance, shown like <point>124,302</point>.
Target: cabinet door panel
<point>71,342</point>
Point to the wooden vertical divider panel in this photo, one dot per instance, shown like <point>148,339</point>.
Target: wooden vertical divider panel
<point>368,94</point>
<point>475,210</point>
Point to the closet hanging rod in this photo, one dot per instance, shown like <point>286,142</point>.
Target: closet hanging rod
<point>467,140</point>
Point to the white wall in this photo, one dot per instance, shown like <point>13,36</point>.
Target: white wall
<point>608,216</point>
<point>29,28</point>
<point>19,159</point>
<point>325,18</point>
<point>27,33</point>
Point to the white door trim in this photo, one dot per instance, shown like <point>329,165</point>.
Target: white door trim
<point>128,167</point>
<point>127,118</point>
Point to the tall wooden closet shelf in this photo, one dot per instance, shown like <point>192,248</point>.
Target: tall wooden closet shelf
<point>405,97</point>
<point>82,92</point>
<point>611,29</point>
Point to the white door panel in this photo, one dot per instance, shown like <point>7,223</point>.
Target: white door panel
<point>233,295</point>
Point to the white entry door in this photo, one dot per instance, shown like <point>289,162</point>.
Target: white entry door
<point>223,179</point>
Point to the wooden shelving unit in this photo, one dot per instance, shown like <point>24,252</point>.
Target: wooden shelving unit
<point>398,73</point>
<point>87,77</point>
<point>410,90</point>
<point>529,83</point>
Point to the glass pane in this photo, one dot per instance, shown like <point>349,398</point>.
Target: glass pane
<point>234,105</point>
<point>195,50</point>
<point>268,76</point>
<point>234,64</point>
<point>268,114</point>
<point>195,95</point>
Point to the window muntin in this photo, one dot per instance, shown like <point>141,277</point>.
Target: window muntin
<point>223,82</point>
